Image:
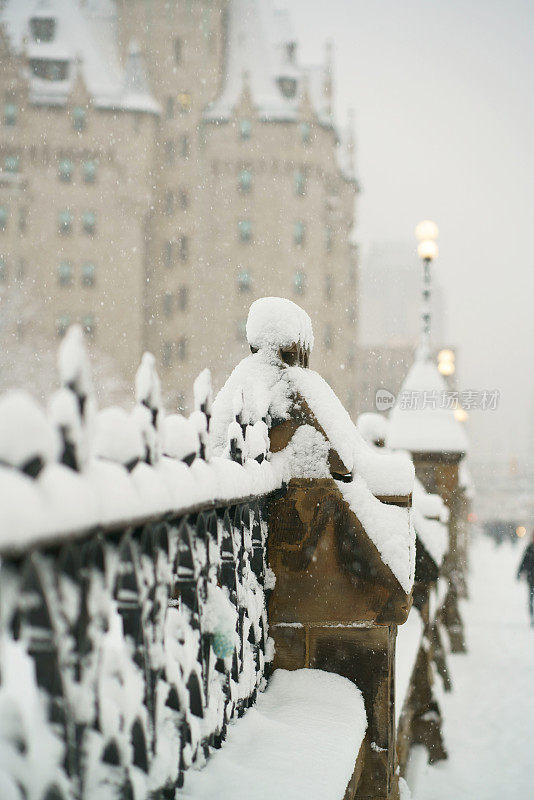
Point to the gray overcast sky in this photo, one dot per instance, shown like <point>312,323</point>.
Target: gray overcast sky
<point>443,98</point>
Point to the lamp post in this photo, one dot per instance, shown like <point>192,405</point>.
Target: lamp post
<point>426,232</point>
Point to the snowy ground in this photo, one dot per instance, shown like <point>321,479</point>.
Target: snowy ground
<point>489,716</point>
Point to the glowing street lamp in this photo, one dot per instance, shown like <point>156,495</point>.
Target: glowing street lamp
<point>446,365</point>
<point>426,233</point>
<point>461,415</point>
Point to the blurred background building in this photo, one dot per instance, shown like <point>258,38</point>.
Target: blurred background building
<point>391,281</point>
<point>164,164</point>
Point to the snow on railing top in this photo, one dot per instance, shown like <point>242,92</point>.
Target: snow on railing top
<point>71,468</point>
<point>112,466</point>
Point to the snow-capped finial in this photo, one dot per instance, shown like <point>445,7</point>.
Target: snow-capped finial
<point>148,387</point>
<point>203,395</point>
<point>73,363</point>
<point>274,323</point>
<point>148,412</point>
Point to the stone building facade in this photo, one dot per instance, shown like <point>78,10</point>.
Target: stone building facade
<point>164,164</point>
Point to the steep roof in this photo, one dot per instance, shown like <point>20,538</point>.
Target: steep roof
<point>85,37</point>
<point>426,427</point>
<point>257,58</point>
<point>260,60</point>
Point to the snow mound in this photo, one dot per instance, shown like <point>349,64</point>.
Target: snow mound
<point>274,322</point>
<point>430,429</point>
<point>309,723</point>
<point>389,528</point>
<point>372,427</point>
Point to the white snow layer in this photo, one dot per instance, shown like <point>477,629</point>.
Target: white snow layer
<point>430,517</point>
<point>86,37</point>
<point>389,527</point>
<point>275,322</point>
<point>268,390</point>
<point>61,501</point>
<point>425,429</point>
<point>309,723</point>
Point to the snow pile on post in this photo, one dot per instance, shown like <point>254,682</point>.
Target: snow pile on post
<point>429,429</point>
<point>299,740</point>
<point>274,323</point>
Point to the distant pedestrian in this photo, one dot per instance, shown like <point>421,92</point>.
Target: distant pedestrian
<point>526,568</point>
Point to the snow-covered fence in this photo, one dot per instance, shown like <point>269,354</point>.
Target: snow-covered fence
<point>133,581</point>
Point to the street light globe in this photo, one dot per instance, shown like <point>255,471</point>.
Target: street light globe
<point>427,250</point>
<point>426,230</point>
<point>446,355</point>
<point>446,368</point>
<point>461,415</point>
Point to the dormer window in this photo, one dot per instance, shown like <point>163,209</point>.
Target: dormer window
<point>49,69</point>
<point>43,28</point>
<point>288,86</point>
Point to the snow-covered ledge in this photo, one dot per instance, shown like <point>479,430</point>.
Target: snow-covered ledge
<point>300,740</point>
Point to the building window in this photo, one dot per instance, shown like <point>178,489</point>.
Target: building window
<point>328,337</point>
<point>181,348</point>
<point>184,101</point>
<point>183,298</point>
<point>183,199</point>
<point>65,170</point>
<point>65,221</point>
<point>183,248</point>
<point>10,114</point>
<point>89,222</point>
<point>167,304</point>
<point>89,171</point>
<point>245,230</point>
<point>244,280</point>
<point>79,118</point>
<point>166,354</point>
<point>168,254</point>
<point>170,108</point>
<point>65,273</point>
<point>245,181</point>
<point>288,86</point>
<point>178,51</point>
<point>299,282</point>
<point>245,129</point>
<point>62,324</point>
<point>3,270</point>
<point>3,217</point>
<point>11,163</point>
<point>43,28</point>
<point>184,146</point>
<point>305,132</point>
<point>351,311</point>
<point>299,232</point>
<point>21,271</point>
<point>300,183</point>
<point>88,325</point>
<point>169,203</point>
<point>329,286</point>
<point>49,69</point>
<point>88,274</point>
